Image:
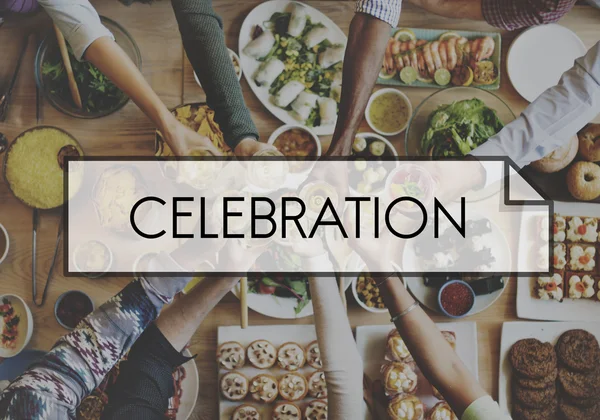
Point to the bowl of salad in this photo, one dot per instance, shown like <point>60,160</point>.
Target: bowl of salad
<point>454,121</point>
<point>99,96</point>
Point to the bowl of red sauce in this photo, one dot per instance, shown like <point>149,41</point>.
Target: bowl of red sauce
<point>71,307</point>
<point>456,299</point>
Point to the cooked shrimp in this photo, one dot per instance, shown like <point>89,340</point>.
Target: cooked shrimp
<point>444,54</point>
<point>421,64</point>
<point>451,51</point>
<point>485,48</point>
<point>403,46</point>
<point>399,62</point>
<point>420,42</point>
<point>388,58</point>
<point>435,53</point>
<point>407,61</point>
<point>411,45</point>
<point>427,55</point>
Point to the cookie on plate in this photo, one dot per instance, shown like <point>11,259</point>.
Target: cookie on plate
<point>582,257</point>
<point>317,385</point>
<point>396,350</point>
<point>261,354</point>
<point>246,412</point>
<point>550,288</point>
<point>293,386</point>
<point>406,407</point>
<point>541,383</point>
<point>398,378</point>
<point>533,359</point>
<point>441,411</point>
<point>263,388</point>
<point>290,356</point>
<point>559,227</point>
<point>581,286</point>
<point>559,256</point>
<point>578,350</point>
<point>286,411</point>
<point>571,412</point>
<point>580,385</point>
<point>231,355</point>
<point>534,398</point>
<point>520,412</point>
<point>582,229</point>
<point>316,410</point>
<point>313,356</point>
<point>234,386</point>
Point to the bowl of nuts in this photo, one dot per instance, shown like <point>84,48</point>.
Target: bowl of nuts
<point>366,292</point>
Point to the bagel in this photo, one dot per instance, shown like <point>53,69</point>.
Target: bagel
<point>558,159</point>
<point>589,142</point>
<point>583,181</point>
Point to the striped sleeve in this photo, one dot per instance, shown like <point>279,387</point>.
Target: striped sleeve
<point>386,10</point>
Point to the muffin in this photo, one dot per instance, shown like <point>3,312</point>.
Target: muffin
<point>406,407</point>
<point>441,411</point>
<point>396,350</point>
<point>398,378</point>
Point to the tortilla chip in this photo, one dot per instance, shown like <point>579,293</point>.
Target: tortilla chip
<point>184,112</point>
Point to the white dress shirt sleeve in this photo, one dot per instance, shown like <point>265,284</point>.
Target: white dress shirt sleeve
<point>78,21</point>
<point>386,10</point>
<point>552,119</point>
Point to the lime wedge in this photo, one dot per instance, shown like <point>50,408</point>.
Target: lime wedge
<point>442,77</point>
<point>385,75</point>
<point>408,75</point>
<point>447,35</point>
<point>404,35</point>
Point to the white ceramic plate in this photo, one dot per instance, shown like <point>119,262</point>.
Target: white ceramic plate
<point>539,56</point>
<point>530,307</point>
<point>190,387</point>
<point>277,307</point>
<point>428,296</point>
<point>277,335</point>
<point>371,343</point>
<point>257,16</point>
<point>545,332</point>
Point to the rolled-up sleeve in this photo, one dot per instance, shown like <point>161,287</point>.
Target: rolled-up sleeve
<point>515,14</point>
<point>386,10</point>
<point>78,21</point>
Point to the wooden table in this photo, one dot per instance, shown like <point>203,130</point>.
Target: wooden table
<point>129,133</point>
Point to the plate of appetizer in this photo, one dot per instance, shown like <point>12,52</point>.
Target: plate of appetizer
<point>272,372</point>
<point>440,58</point>
<point>280,295</point>
<point>572,290</point>
<point>16,325</point>
<point>441,254</point>
<point>550,370</point>
<point>386,358</point>
<point>291,55</point>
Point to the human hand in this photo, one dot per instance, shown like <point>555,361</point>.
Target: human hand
<point>250,146</point>
<point>455,178</point>
<point>234,256</point>
<point>183,140</point>
<point>309,247</point>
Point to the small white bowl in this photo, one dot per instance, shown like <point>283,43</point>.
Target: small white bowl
<point>389,145</point>
<point>4,232</point>
<point>379,93</point>
<point>25,325</point>
<point>232,54</point>
<point>93,275</point>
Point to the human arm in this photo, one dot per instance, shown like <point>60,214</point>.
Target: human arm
<point>517,14</point>
<point>552,119</point>
<point>368,36</point>
<point>204,42</point>
<point>457,9</point>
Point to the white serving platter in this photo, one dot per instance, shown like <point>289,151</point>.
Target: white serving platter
<point>529,306</point>
<point>257,16</point>
<point>543,331</point>
<point>371,343</point>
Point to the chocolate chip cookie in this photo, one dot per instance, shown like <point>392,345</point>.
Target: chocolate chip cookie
<point>534,398</point>
<point>533,359</point>
<point>578,350</point>
<point>542,383</point>
<point>571,412</point>
<point>523,413</point>
<point>580,385</point>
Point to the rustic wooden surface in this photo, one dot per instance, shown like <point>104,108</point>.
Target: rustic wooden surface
<point>129,133</point>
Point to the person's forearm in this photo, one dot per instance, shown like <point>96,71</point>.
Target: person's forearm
<point>458,9</point>
<point>364,54</point>
<point>179,322</point>
<point>204,43</point>
<point>432,353</point>
<point>111,60</point>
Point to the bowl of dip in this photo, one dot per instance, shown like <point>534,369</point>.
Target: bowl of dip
<point>298,143</point>
<point>456,299</point>
<point>16,325</point>
<point>388,112</point>
<point>71,307</point>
